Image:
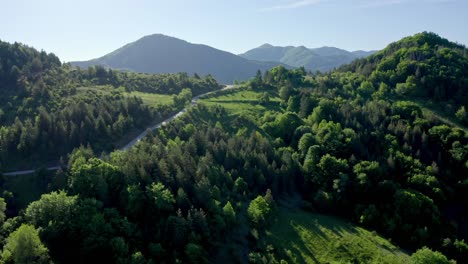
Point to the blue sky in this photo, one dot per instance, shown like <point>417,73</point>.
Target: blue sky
<point>85,29</point>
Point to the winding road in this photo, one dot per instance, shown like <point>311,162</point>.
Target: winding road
<point>140,136</point>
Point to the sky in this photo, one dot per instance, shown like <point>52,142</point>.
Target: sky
<point>86,29</point>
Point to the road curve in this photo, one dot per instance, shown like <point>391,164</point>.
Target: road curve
<point>132,143</point>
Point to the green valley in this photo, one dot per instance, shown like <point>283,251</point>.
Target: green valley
<point>362,164</point>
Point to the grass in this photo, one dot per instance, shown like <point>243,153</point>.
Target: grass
<point>102,89</point>
<point>313,238</point>
<point>151,99</point>
<point>432,110</point>
<point>244,101</point>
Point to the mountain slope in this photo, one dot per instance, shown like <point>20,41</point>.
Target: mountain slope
<point>425,67</point>
<point>321,59</point>
<point>163,54</point>
<point>303,237</point>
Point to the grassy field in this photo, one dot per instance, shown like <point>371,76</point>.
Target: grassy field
<point>237,102</point>
<point>313,238</point>
<point>151,99</point>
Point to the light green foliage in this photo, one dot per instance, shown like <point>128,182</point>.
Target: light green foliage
<point>462,115</point>
<point>229,213</point>
<point>3,206</point>
<point>285,92</point>
<point>303,237</point>
<point>52,210</point>
<point>264,98</point>
<point>243,101</point>
<point>95,178</point>
<point>183,98</point>
<point>258,210</point>
<point>306,141</point>
<point>366,89</point>
<point>427,256</point>
<point>367,172</point>
<point>160,196</point>
<point>152,99</point>
<point>24,246</point>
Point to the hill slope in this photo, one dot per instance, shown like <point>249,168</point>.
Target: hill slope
<point>313,238</point>
<point>425,67</point>
<point>163,54</point>
<point>322,59</point>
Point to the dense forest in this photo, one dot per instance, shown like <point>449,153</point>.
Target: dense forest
<point>368,143</point>
<point>47,108</point>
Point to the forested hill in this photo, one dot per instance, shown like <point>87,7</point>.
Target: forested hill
<point>163,54</point>
<point>47,109</point>
<point>424,66</point>
<point>229,181</point>
<point>316,59</point>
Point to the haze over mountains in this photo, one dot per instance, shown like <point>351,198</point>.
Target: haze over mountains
<point>163,54</point>
<point>317,59</point>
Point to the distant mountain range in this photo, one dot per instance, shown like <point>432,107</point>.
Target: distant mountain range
<point>163,54</point>
<point>321,59</point>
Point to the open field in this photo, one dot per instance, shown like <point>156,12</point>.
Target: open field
<point>239,101</point>
<point>151,99</point>
<point>313,238</point>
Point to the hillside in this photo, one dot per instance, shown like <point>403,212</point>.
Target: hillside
<point>303,237</point>
<point>48,109</point>
<point>317,59</point>
<point>423,67</point>
<point>163,54</point>
<point>357,146</point>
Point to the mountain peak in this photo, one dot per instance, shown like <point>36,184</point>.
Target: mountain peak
<point>159,36</point>
<point>265,46</point>
<point>158,53</point>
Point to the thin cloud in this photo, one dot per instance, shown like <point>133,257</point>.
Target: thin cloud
<point>293,5</point>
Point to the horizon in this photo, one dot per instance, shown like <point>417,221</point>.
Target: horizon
<point>87,30</point>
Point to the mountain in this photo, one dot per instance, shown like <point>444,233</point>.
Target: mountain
<point>321,59</point>
<point>163,54</point>
<point>425,66</point>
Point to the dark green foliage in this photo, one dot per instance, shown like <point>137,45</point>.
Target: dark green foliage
<point>48,109</point>
<point>201,188</point>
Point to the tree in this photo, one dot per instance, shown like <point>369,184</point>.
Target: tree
<point>52,211</point>
<point>462,115</point>
<point>427,256</point>
<point>2,210</point>
<point>285,92</point>
<point>195,253</point>
<point>25,246</point>
<point>258,211</point>
<point>229,213</point>
<point>366,89</point>
<point>240,186</point>
<point>264,98</point>
<point>160,196</point>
